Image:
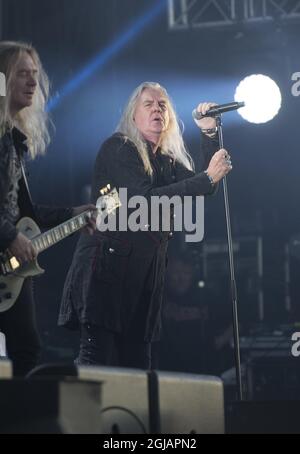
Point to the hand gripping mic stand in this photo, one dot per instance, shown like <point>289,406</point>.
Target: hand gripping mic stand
<point>232,274</point>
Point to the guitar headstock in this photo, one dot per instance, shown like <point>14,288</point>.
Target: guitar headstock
<point>108,201</point>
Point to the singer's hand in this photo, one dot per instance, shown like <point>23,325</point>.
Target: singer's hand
<point>207,122</point>
<point>219,166</point>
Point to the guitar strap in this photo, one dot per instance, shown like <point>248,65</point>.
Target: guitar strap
<point>25,181</point>
<point>24,196</point>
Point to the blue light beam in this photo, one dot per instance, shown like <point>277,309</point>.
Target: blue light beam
<point>107,54</point>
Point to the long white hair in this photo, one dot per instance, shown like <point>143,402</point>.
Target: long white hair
<point>171,142</point>
<point>33,120</point>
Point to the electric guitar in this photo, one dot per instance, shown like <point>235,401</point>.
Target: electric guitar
<point>12,273</point>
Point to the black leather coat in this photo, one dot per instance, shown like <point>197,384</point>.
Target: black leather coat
<point>116,279</point>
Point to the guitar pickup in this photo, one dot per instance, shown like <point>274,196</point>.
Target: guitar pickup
<point>14,263</point>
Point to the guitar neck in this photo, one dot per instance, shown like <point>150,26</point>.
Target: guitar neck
<point>58,233</point>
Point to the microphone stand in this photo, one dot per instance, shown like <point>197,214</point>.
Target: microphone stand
<point>232,275</point>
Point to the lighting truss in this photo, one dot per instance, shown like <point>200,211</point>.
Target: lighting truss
<point>185,14</point>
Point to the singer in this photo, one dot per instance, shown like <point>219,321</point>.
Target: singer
<point>113,291</point>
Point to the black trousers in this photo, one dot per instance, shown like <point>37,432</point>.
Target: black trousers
<point>99,346</point>
<point>19,326</point>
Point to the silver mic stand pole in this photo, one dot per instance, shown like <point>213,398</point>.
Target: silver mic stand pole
<point>232,275</point>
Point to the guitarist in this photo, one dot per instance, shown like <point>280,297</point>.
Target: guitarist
<point>23,132</point>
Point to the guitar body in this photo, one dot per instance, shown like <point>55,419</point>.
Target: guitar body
<point>11,284</point>
<point>12,275</point>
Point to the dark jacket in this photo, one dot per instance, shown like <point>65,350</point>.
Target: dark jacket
<point>116,279</point>
<point>13,150</point>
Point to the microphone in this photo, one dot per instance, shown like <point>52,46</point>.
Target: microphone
<point>217,110</point>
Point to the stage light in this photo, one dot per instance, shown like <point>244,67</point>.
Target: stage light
<point>262,97</point>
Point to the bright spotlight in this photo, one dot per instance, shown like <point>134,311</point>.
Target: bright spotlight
<point>262,98</point>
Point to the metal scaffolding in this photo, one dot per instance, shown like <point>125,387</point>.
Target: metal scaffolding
<point>185,14</point>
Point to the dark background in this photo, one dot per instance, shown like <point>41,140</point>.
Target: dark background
<point>194,65</point>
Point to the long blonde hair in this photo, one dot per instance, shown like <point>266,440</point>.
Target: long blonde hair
<point>171,142</point>
<point>33,120</point>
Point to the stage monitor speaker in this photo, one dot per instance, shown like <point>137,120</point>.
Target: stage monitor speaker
<point>6,370</point>
<point>125,403</point>
<point>50,406</point>
<point>190,404</point>
<point>134,401</point>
